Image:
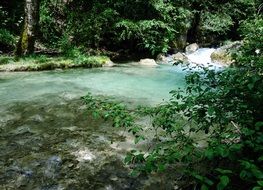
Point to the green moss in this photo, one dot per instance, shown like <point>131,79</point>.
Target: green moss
<point>24,40</point>
<point>222,57</point>
<point>40,63</point>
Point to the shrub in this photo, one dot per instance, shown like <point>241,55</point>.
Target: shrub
<point>218,141</point>
<point>7,40</point>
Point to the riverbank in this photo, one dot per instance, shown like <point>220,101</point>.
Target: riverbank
<point>193,55</point>
<point>42,62</point>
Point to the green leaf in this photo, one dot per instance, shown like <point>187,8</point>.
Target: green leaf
<point>204,179</point>
<point>210,111</point>
<point>128,158</point>
<point>260,158</point>
<point>243,174</point>
<point>260,183</point>
<point>209,153</point>
<point>250,86</point>
<point>95,115</point>
<point>135,173</point>
<point>223,151</point>
<point>257,173</point>
<point>208,181</point>
<point>222,171</point>
<point>138,139</point>
<point>161,167</point>
<point>204,187</point>
<point>259,124</point>
<point>224,181</point>
<point>257,188</point>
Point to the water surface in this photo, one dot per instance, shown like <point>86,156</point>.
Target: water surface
<point>49,141</point>
<point>149,85</point>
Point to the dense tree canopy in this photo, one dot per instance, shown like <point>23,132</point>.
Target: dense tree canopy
<point>138,26</point>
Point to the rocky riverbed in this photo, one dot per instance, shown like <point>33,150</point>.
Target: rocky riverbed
<point>60,146</point>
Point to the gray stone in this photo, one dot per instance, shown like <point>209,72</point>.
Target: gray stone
<point>37,118</point>
<point>191,48</point>
<point>148,62</point>
<point>108,63</point>
<point>179,57</point>
<point>160,58</point>
<point>22,130</point>
<point>53,166</point>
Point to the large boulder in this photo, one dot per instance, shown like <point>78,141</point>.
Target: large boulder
<point>148,62</point>
<point>223,54</point>
<point>179,58</point>
<point>191,48</point>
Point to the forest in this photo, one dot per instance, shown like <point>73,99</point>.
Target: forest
<point>131,94</point>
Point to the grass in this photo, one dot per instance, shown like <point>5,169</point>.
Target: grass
<point>42,62</point>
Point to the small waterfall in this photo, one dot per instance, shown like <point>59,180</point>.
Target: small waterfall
<point>202,57</point>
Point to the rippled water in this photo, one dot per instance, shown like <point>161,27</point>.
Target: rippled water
<point>49,141</point>
<point>139,84</point>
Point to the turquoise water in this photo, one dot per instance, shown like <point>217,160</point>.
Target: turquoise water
<point>48,139</point>
<point>147,85</point>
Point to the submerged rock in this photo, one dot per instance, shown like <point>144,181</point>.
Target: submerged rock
<point>148,62</point>
<point>37,118</point>
<point>22,130</point>
<point>84,154</point>
<point>53,166</point>
<point>52,187</point>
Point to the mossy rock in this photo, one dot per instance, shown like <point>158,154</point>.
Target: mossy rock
<point>221,56</point>
<point>224,53</point>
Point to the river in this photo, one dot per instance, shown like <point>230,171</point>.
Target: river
<point>49,141</point>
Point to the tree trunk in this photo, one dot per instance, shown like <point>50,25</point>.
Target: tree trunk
<point>27,39</point>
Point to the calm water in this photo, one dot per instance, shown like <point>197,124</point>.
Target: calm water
<point>148,85</point>
<point>49,141</point>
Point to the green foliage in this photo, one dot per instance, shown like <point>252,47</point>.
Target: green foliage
<point>52,14</point>
<point>3,17</point>
<point>94,27</point>
<point>7,40</point>
<point>115,112</point>
<point>213,128</point>
<point>219,23</point>
<point>253,47</point>
<point>147,34</point>
<point>11,15</point>
<point>5,60</point>
<point>153,26</point>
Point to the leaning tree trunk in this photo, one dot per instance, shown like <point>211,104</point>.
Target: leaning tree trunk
<point>27,39</point>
